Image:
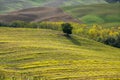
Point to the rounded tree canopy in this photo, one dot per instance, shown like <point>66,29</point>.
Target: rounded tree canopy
<point>67,28</point>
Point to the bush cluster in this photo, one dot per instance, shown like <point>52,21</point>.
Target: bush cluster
<point>109,36</point>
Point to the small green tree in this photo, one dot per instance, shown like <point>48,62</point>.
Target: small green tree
<point>67,28</point>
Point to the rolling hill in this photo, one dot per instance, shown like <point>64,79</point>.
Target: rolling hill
<point>42,54</point>
<point>12,5</point>
<point>63,3</point>
<point>41,51</point>
<point>94,13</point>
<point>107,14</point>
<point>38,14</point>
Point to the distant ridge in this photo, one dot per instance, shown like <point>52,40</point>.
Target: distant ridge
<point>38,14</point>
<point>13,5</point>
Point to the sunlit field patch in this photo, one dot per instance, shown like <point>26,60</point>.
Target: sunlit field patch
<point>43,54</point>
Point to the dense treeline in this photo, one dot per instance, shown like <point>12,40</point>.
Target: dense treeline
<point>109,36</point>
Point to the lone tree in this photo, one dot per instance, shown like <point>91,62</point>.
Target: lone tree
<point>67,28</point>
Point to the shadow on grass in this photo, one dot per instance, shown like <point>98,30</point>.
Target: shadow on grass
<point>73,40</point>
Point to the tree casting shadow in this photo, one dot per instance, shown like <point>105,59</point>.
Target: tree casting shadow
<point>73,40</point>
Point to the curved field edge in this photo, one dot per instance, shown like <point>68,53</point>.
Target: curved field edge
<point>35,54</point>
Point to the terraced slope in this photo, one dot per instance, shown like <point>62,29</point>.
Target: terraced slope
<point>38,14</point>
<point>40,54</point>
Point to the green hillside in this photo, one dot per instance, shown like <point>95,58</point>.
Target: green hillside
<point>12,5</point>
<point>43,54</point>
<point>107,14</point>
<point>82,2</point>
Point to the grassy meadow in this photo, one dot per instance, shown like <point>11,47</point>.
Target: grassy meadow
<point>44,54</point>
<point>41,51</point>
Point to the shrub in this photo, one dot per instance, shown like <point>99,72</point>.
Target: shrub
<point>113,42</point>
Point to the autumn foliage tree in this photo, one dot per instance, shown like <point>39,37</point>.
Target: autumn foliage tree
<point>107,36</point>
